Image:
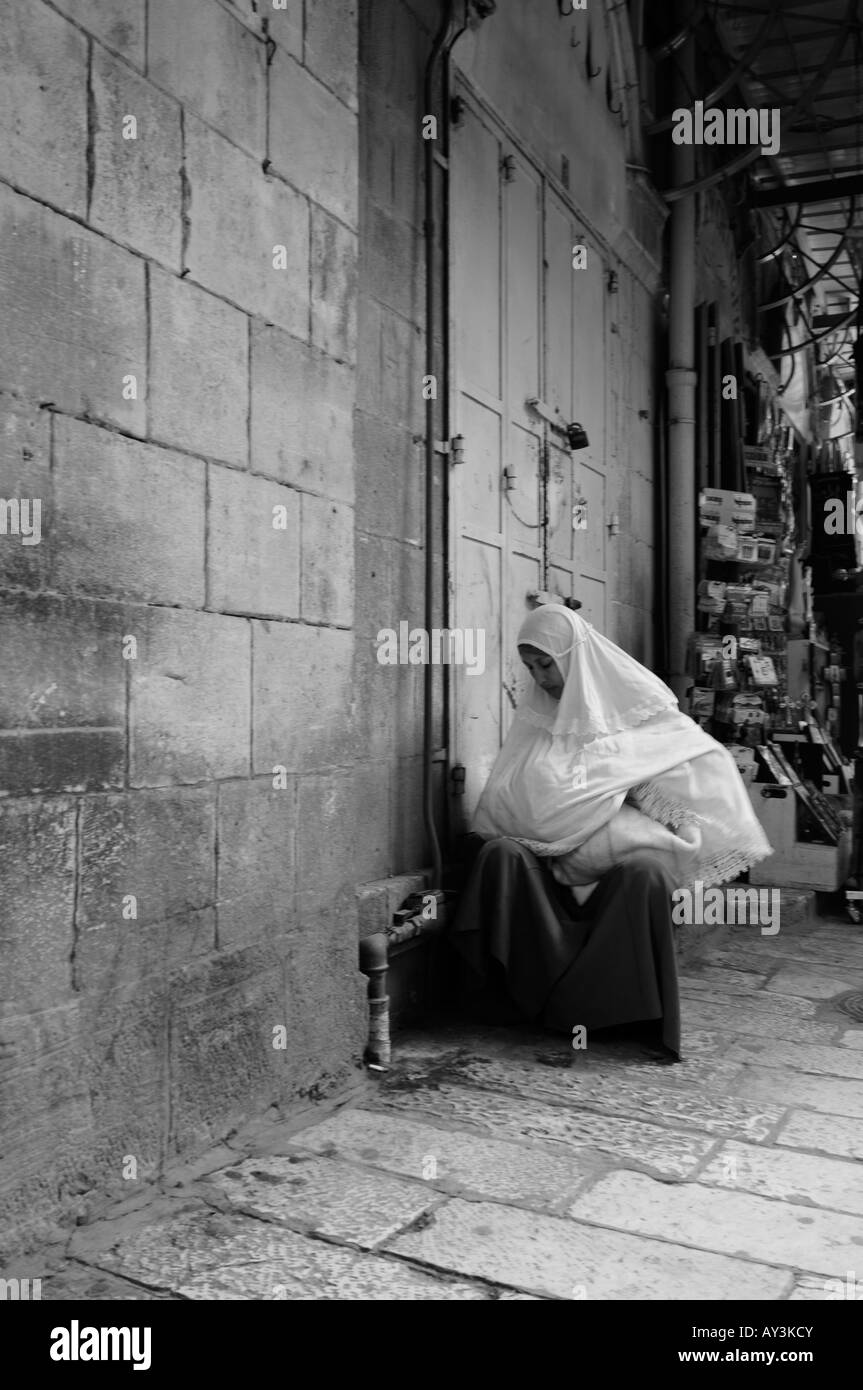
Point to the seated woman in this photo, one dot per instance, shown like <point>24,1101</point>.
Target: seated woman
<point>604,798</point>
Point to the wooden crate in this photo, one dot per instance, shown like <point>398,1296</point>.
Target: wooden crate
<point>794,863</point>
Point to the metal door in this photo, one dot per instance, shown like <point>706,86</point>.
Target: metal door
<point>525,327</point>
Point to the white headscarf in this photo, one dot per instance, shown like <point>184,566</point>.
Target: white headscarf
<point>605,690</point>
<point>567,765</point>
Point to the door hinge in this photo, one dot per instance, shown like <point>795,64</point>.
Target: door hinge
<point>455,448</point>
<point>457,778</point>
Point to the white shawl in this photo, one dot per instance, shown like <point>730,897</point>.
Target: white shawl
<point>615,735</point>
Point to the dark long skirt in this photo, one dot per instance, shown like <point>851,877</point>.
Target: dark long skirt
<point>525,945</point>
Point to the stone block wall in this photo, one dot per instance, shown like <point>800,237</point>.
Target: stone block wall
<point>180,834</point>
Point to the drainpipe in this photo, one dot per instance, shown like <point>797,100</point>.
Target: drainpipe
<point>440,52</point>
<point>681,380</point>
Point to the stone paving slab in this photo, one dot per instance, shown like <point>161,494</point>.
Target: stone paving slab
<point>669,1152</point>
<point>322,1196</point>
<point>802,1057</point>
<point>831,1095</point>
<point>78,1282</point>
<point>853,1038</point>
<point>729,980</point>
<point>755,1019</point>
<point>805,1179</point>
<point>213,1255</point>
<point>812,1288</point>
<point>563,1259</point>
<point>730,1223</point>
<point>813,982</point>
<point>831,1134</point>
<point>676,1103</point>
<point>452,1161</point>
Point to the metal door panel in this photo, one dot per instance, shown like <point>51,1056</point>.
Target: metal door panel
<point>558,308</point>
<point>476,283</point>
<point>523,212</point>
<point>479,695</point>
<point>479,475</point>
<point>560,471</point>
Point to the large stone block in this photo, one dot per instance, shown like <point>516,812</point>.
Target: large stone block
<point>331,46</point>
<point>25,476</point>
<point>74,316</point>
<point>63,665</point>
<point>393,263</point>
<point>214,64</point>
<point>303,697</point>
<point>199,387</point>
<point>391,158</point>
<point>47,1126</point>
<point>334,287</point>
<point>131,517</point>
<point>328,561</point>
<point>137,192</point>
<point>390,462</point>
<point>313,139</point>
<point>402,366</point>
<point>125,1060</point>
<point>327,833</point>
<point>372,819</point>
<point>43,105</point>
<point>190,698</point>
<point>249,238</point>
<point>302,415</point>
<point>117,961</point>
<point>257,831</point>
<point>62,760</point>
<point>155,847</point>
<point>253,558</point>
<point>224,1067</point>
<point>393,50</point>
<point>118,24</point>
<point>37,890</point>
<point>374,684</point>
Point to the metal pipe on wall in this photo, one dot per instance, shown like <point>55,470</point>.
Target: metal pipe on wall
<point>681,381</point>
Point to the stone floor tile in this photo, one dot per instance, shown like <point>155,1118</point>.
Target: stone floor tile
<point>831,1134</point>
<point>853,1038</point>
<point>682,1097</point>
<point>79,1282</point>
<point>755,1018</point>
<point>665,1151</point>
<point>322,1196</point>
<point>811,982</point>
<point>790,1176</point>
<point>813,1288</point>
<point>449,1160</point>
<point>801,1057</point>
<point>563,1259</point>
<point>726,978</point>
<point>730,1223</point>
<point>202,1255</point>
<point>326,1273</point>
<point>831,1095</point>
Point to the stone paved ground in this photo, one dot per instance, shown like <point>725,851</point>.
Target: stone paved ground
<point>502,1164</point>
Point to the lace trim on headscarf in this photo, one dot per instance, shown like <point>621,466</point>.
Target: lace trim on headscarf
<point>595,727</point>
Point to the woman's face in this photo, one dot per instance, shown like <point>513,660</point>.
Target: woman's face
<point>544,670</point>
